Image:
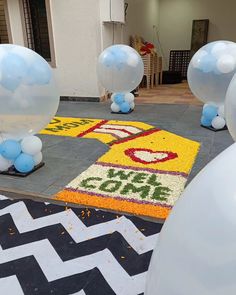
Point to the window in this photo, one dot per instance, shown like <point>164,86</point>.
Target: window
<point>3,25</point>
<point>36,27</point>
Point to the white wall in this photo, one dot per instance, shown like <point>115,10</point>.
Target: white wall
<point>142,15</point>
<point>77,35</point>
<point>15,21</point>
<point>112,34</point>
<point>176,16</point>
<point>77,42</point>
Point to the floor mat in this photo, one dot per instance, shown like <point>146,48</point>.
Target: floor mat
<point>52,249</point>
<point>143,173</point>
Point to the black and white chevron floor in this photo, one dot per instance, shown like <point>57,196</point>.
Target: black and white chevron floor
<point>50,249</point>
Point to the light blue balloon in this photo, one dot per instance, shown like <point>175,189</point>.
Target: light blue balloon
<point>108,59</point>
<point>39,73</point>
<point>207,63</point>
<point>14,69</point>
<point>205,122</point>
<point>10,149</point>
<point>119,98</point>
<point>120,57</point>
<point>115,57</point>
<point>24,163</point>
<point>0,149</point>
<point>210,112</point>
<point>125,107</point>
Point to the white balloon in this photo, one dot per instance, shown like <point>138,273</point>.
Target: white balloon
<point>120,68</point>
<point>231,49</point>
<point>38,158</point>
<point>197,58</point>
<point>218,49</point>
<point>218,122</point>
<point>210,104</point>
<point>133,60</point>
<point>221,111</point>
<point>31,145</point>
<point>226,63</point>
<point>113,97</point>
<point>25,53</point>
<point>230,108</point>
<point>115,107</point>
<point>28,93</point>
<point>3,53</point>
<point>209,74</point>
<point>4,163</point>
<point>129,97</point>
<point>132,105</point>
<point>196,249</point>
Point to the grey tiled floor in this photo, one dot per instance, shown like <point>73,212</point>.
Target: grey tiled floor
<point>67,157</point>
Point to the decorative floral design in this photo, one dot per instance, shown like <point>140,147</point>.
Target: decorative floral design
<point>143,172</point>
<point>147,156</point>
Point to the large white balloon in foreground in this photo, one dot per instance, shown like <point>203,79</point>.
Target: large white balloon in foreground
<point>196,251</point>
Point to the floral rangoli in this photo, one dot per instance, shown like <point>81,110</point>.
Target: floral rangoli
<point>144,172</point>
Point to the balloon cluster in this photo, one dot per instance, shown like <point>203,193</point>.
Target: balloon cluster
<point>213,116</point>
<point>23,155</point>
<point>122,102</point>
<point>120,70</point>
<point>28,101</point>
<point>209,74</point>
<point>211,69</point>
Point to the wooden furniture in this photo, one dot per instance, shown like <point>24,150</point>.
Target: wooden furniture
<point>148,70</point>
<point>152,63</point>
<point>152,70</point>
<point>158,70</point>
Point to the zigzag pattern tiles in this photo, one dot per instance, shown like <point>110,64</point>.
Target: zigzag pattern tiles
<point>51,249</point>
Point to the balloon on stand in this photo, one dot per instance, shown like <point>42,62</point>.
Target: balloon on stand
<point>120,70</point>
<point>29,100</point>
<point>31,145</point>
<point>218,123</point>
<point>211,69</point>
<point>24,163</point>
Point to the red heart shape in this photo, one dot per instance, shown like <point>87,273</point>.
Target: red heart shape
<point>147,156</point>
